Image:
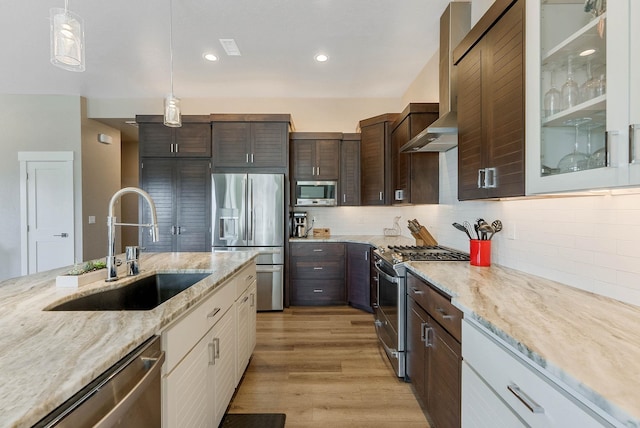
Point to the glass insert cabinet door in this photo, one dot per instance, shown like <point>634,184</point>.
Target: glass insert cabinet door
<point>573,86</point>
<point>578,55</point>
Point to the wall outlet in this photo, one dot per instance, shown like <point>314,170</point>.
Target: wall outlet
<point>511,231</point>
<point>92,219</point>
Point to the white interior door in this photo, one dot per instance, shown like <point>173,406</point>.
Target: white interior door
<point>49,205</point>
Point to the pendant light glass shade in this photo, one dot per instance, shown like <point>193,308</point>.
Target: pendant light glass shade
<point>172,116</point>
<point>67,40</point>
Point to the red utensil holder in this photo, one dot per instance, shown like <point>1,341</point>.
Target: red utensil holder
<point>480,252</point>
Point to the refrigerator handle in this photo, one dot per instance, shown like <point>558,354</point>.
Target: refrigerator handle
<point>250,210</point>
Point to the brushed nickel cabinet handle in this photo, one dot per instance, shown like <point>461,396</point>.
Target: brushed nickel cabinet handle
<point>444,314</point>
<point>525,399</point>
<point>213,313</point>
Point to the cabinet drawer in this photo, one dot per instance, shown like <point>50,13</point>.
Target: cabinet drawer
<point>180,337</point>
<point>535,398</point>
<point>438,306</point>
<point>449,317</point>
<point>244,279</point>
<point>311,292</point>
<point>317,269</point>
<point>316,249</point>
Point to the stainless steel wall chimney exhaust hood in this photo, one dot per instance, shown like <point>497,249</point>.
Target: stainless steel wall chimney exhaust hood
<point>442,134</point>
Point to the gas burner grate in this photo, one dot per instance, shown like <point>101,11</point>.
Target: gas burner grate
<point>428,253</point>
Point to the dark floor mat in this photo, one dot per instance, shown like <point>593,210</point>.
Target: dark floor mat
<point>253,420</point>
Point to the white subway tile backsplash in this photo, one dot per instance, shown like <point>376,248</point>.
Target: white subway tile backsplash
<point>588,242</point>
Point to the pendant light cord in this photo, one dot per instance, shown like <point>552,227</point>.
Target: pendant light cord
<point>170,44</point>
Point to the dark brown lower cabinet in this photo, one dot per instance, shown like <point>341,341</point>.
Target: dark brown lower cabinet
<point>317,273</point>
<point>434,354</point>
<point>359,276</point>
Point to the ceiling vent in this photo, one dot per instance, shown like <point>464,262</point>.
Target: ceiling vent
<point>230,47</point>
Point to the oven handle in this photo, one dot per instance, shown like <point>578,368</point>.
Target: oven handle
<point>385,275</point>
<point>390,351</point>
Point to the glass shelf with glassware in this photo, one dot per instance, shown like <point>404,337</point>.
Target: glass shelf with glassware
<point>573,89</point>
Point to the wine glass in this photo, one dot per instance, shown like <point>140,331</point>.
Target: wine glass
<point>570,90</point>
<point>552,98</point>
<point>576,160</point>
<point>591,88</point>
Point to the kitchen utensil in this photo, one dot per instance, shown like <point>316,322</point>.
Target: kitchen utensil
<point>481,233</point>
<point>462,228</point>
<point>470,229</point>
<point>497,227</point>
<point>485,229</point>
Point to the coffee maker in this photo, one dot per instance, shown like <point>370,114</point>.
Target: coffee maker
<point>299,224</point>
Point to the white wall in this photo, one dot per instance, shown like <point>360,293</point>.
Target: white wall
<point>308,114</point>
<point>33,123</point>
<point>100,180</point>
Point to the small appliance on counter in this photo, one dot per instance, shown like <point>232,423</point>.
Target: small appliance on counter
<point>299,227</point>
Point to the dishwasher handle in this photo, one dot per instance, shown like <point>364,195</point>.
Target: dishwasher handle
<point>125,404</point>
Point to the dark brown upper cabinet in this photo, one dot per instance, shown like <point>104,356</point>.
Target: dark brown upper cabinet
<point>192,139</point>
<point>250,141</point>
<point>349,185</point>
<point>315,155</point>
<point>491,105</point>
<point>375,159</point>
<point>415,175</point>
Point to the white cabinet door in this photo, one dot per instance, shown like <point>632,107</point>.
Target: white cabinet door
<point>634,91</point>
<point>584,144</point>
<point>253,308</point>
<point>188,391</point>
<point>242,307</point>
<point>481,407</point>
<point>224,364</point>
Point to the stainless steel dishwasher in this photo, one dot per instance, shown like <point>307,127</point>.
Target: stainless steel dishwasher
<point>126,395</point>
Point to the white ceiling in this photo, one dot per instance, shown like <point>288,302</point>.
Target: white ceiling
<point>376,47</point>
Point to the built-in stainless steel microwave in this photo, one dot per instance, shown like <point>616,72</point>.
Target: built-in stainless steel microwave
<point>315,193</point>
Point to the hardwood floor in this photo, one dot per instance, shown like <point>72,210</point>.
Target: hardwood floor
<point>322,366</point>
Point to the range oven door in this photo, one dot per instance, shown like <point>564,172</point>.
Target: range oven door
<point>388,316</point>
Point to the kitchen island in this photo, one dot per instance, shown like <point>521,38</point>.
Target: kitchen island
<point>45,356</point>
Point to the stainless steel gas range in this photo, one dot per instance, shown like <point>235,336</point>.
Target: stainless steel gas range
<point>389,299</point>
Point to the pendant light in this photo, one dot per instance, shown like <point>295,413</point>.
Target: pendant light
<point>172,116</point>
<point>67,39</point>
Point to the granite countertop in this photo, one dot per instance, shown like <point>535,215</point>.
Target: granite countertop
<point>45,357</point>
<point>589,342</point>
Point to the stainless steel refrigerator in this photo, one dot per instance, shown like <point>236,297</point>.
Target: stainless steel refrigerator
<point>248,214</point>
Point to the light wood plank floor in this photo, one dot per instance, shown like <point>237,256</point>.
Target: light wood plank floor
<point>322,366</point>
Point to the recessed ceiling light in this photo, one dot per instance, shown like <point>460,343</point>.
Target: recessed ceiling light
<point>321,57</point>
<point>587,52</point>
<point>210,57</point>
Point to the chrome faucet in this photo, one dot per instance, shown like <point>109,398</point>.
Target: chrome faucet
<point>112,273</point>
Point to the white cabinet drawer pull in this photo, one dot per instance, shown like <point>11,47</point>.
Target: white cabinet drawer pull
<point>525,399</point>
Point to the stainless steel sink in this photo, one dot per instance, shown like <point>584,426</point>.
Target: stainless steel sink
<point>141,295</point>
